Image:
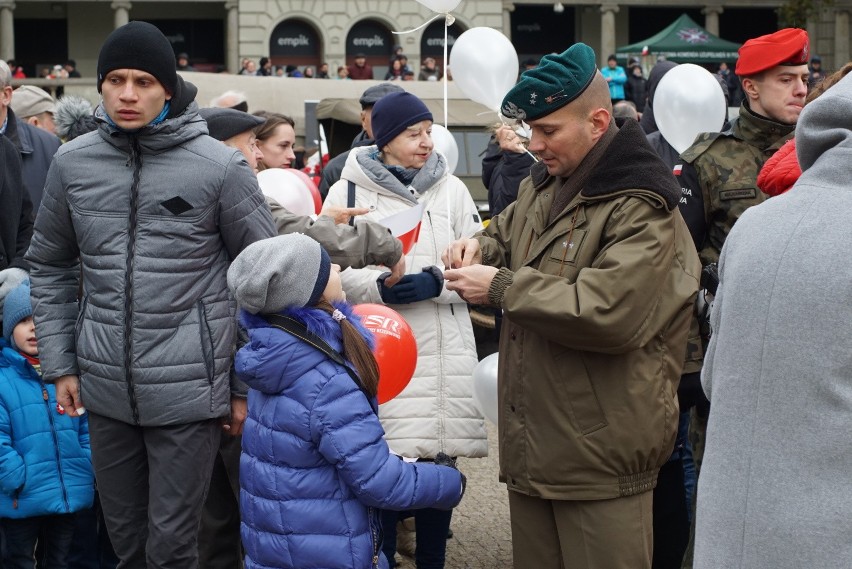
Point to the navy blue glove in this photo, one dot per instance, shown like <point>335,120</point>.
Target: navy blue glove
<point>413,288</point>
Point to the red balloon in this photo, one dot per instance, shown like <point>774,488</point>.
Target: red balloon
<point>312,187</point>
<point>395,350</point>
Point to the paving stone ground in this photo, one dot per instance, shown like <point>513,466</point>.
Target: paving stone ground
<point>481,534</point>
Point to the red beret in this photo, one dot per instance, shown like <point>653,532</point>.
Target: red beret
<point>785,47</point>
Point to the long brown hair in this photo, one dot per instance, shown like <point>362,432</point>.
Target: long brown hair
<point>356,350</point>
<point>263,131</point>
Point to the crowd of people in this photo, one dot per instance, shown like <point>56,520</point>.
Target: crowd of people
<point>185,380</point>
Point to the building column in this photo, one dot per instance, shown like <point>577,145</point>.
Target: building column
<point>841,38</point>
<point>508,8</point>
<point>7,30</point>
<point>608,12</point>
<point>232,35</point>
<point>711,19</point>
<point>121,13</point>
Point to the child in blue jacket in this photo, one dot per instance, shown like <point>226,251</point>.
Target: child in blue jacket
<point>45,458</point>
<point>315,470</point>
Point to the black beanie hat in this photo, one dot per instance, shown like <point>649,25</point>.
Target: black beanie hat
<point>139,45</point>
<point>394,113</point>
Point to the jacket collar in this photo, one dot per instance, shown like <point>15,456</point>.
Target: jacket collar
<point>629,166</point>
<point>759,130</point>
<point>18,136</point>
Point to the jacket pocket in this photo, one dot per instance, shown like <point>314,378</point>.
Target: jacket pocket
<point>206,339</point>
<point>581,395</point>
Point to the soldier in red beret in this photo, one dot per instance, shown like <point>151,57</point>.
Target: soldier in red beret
<point>773,71</point>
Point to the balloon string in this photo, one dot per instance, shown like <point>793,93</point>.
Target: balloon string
<point>447,23</point>
<point>503,120</point>
<point>423,25</point>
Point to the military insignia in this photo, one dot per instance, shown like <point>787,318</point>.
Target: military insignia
<point>513,111</point>
<point>558,96</point>
<point>568,245</point>
<point>533,97</point>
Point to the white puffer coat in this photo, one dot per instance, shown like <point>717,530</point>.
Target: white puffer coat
<point>436,412</point>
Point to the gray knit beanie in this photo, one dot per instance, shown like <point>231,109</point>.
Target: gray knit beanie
<point>280,272</point>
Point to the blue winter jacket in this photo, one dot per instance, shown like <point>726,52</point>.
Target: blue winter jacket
<point>315,468</point>
<point>45,457</point>
<point>617,78</point>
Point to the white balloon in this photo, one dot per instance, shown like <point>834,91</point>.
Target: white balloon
<point>445,143</point>
<point>485,387</point>
<point>440,6</point>
<point>687,102</point>
<point>484,65</point>
<point>288,189</point>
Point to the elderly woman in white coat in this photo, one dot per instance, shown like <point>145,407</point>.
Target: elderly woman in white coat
<point>436,411</point>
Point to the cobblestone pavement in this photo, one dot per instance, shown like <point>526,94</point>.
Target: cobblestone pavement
<point>481,534</point>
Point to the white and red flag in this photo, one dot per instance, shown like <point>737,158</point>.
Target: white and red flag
<point>405,226</point>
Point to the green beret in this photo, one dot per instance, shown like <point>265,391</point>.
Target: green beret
<point>555,82</point>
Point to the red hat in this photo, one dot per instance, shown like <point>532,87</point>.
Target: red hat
<point>785,47</point>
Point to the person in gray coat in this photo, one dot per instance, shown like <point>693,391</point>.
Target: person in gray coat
<point>774,486</point>
<point>153,210</point>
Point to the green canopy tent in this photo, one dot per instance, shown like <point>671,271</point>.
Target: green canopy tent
<point>683,41</point>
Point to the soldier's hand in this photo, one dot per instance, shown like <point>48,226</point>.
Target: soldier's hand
<point>472,282</point>
<point>462,253</point>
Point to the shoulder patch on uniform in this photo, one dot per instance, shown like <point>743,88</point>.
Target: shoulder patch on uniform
<point>702,142</point>
<point>737,194</point>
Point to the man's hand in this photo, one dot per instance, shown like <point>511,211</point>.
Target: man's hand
<point>462,253</point>
<point>68,395</point>
<point>397,272</point>
<point>471,282</point>
<point>233,425</point>
<point>342,215</point>
<point>508,139</point>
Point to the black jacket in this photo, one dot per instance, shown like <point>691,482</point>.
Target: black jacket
<point>16,224</point>
<point>502,173</point>
<point>37,147</point>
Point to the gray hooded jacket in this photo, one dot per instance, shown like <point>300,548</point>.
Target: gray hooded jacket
<point>774,487</point>
<point>154,218</point>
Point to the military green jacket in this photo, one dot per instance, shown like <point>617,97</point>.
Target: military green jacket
<point>727,164</point>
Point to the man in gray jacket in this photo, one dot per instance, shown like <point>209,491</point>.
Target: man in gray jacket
<point>154,211</point>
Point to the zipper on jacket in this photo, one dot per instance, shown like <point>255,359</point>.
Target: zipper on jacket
<point>46,398</point>
<point>136,159</point>
<point>378,537</point>
<point>440,333</point>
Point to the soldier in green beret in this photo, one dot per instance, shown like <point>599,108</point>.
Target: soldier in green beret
<point>596,274</point>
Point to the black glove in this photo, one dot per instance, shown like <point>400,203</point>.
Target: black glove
<point>445,460</point>
<point>413,288</point>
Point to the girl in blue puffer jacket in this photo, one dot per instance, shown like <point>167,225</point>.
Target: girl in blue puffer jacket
<point>45,458</point>
<point>315,470</point>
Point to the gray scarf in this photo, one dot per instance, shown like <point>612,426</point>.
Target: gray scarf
<point>426,178</point>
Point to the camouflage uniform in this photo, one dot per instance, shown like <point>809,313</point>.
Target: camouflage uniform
<point>726,164</point>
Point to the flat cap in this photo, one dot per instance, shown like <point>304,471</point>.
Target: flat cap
<point>789,46</point>
<point>558,80</point>
<point>376,92</point>
<point>29,101</point>
<point>225,123</point>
